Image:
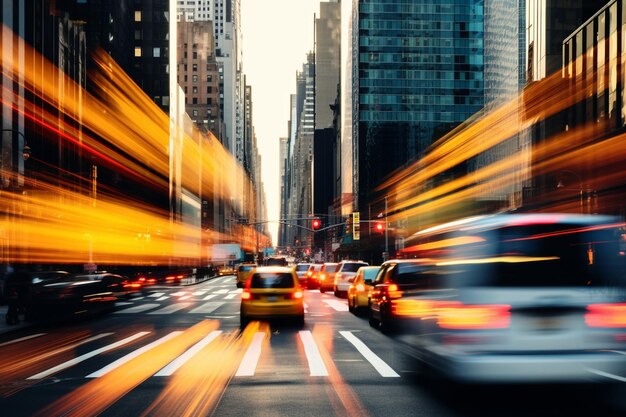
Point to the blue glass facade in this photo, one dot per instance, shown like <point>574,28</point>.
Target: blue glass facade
<point>420,74</point>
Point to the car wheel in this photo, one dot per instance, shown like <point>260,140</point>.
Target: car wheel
<point>386,325</point>
<point>373,322</point>
<point>351,308</point>
<point>335,291</point>
<point>300,321</point>
<point>322,290</point>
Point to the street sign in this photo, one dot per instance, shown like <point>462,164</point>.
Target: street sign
<point>356,226</point>
<point>356,217</point>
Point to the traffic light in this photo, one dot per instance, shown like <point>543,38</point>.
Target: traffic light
<point>379,227</point>
<point>316,223</point>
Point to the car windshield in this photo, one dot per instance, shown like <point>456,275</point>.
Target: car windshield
<point>272,280</point>
<point>331,268</point>
<point>245,268</point>
<point>352,267</point>
<point>370,273</point>
<point>302,267</point>
<point>409,273</point>
<point>276,262</point>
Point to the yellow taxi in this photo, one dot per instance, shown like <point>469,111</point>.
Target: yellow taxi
<point>272,292</point>
<point>358,293</point>
<point>243,272</point>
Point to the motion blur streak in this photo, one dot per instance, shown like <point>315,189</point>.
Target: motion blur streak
<point>97,395</point>
<point>17,362</point>
<point>342,398</point>
<point>122,129</point>
<point>197,387</point>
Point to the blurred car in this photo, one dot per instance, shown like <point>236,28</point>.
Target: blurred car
<point>359,291</point>
<point>272,292</point>
<point>326,276</point>
<point>243,272</point>
<point>345,275</point>
<point>313,276</point>
<point>396,279</point>
<point>520,298</point>
<point>275,261</point>
<point>223,270</point>
<point>77,293</point>
<point>301,273</point>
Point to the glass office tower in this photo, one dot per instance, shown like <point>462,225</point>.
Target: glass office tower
<point>420,67</point>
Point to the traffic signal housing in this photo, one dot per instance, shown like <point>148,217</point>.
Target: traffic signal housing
<point>379,227</point>
<point>316,224</point>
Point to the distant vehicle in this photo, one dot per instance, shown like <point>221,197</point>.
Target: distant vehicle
<point>243,272</point>
<point>223,270</point>
<point>313,276</point>
<point>301,273</point>
<point>519,298</point>
<point>275,261</point>
<point>326,276</point>
<point>345,275</point>
<point>272,292</point>
<point>359,291</point>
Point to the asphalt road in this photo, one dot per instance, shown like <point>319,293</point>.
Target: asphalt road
<point>178,351</point>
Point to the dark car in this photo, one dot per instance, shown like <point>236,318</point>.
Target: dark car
<point>79,293</point>
<point>275,261</point>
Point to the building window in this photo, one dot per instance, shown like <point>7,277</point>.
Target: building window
<point>194,78</point>
<point>138,34</point>
<point>209,100</point>
<point>209,89</point>
<point>156,52</point>
<point>195,55</point>
<point>185,78</point>
<point>137,15</point>
<point>194,100</point>
<point>137,51</point>
<point>195,113</point>
<point>194,67</point>
<point>194,90</point>
<point>209,78</point>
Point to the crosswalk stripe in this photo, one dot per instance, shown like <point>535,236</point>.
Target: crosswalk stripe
<point>182,359</point>
<point>208,297</point>
<point>316,364</point>
<point>230,296</point>
<point>165,297</point>
<point>86,356</point>
<point>172,308</point>
<point>222,291</point>
<point>383,369</point>
<point>138,298</point>
<point>337,305</point>
<point>251,357</point>
<point>197,293</point>
<point>138,309</point>
<point>206,308</point>
<point>21,339</point>
<point>178,293</point>
<point>157,294</point>
<point>185,297</point>
<point>237,291</point>
<point>121,361</point>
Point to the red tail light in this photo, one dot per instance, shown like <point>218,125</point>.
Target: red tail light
<point>170,278</point>
<point>297,295</point>
<point>392,288</point>
<point>360,287</point>
<point>245,295</point>
<point>179,277</point>
<point>470,317</point>
<point>606,315</point>
<point>309,273</point>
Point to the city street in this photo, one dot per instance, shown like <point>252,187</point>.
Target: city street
<point>179,351</point>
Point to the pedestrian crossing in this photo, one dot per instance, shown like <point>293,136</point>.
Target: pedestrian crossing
<point>315,360</point>
<point>202,302</point>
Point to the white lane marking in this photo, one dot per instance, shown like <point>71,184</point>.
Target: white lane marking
<point>606,374</point>
<point>138,309</point>
<point>21,339</point>
<point>189,353</point>
<point>230,296</point>
<point>86,356</point>
<point>165,297</point>
<point>383,369</point>
<point>132,355</point>
<point>306,308</point>
<point>179,293</point>
<point>221,292</point>
<point>337,305</point>
<point>251,357</point>
<point>197,293</point>
<point>122,303</point>
<point>185,297</point>
<point>206,308</point>
<point>237,291</point>
<point>138,298</point>
<point>157,294</point>
<point>172,308</point>
<point>316,364</point>
<point>208,297</point>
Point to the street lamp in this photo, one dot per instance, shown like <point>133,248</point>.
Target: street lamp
<point>580,187</point>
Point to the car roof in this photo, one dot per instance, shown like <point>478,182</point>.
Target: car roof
<point>407,261</point>
<point>274,269</point>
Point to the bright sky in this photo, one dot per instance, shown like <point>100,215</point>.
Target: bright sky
<point>277,34</point>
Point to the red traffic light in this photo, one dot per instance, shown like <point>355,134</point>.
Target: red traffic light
<point>379,227</point>
<point>316,224</point>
